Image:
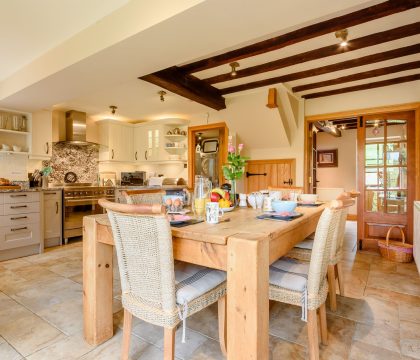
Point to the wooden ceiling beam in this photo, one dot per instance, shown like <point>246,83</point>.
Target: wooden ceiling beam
<point>326,51</point>
<point>359,76</point>
<point>367,86</point>
<point>177,81</point>
<point>364,60</point>
<point>308,32</point>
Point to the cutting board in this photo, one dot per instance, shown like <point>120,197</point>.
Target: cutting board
<point>9,187</point>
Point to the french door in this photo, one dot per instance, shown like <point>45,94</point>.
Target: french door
<point>386,169</point>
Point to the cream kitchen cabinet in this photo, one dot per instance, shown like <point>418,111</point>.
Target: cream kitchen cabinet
<point>41,135</point>
<point>52,218</point>
<point>116,141</point>
<point>20,224</point>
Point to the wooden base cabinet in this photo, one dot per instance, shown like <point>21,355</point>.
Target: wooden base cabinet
<point>52,218</point>
<point>20,224</point>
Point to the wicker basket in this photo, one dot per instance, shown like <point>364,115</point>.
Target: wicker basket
<point>397,251</point>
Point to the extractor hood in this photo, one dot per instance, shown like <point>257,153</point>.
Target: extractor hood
<point>75,129</point>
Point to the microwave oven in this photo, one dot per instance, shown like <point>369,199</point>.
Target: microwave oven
<point>136,178</point>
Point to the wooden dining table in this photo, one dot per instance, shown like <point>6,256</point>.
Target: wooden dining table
<point>241,245</point>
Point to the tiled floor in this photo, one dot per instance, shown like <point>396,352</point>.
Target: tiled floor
<point>41,314</point>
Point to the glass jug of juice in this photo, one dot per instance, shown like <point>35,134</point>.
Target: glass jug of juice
<point>202,190</point>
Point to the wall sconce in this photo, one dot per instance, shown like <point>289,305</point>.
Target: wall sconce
<point>162,94</point>
<point>113,109</point>
<point>342,34</point>
<point>233,66</point>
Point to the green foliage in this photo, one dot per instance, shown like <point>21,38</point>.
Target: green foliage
<point>235,167</point>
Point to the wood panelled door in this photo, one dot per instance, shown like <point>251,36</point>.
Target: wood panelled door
<point>386,164</point>
<point>260,174</point>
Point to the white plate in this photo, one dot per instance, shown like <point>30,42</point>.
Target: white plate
<point>229,209</point>
<point>182,212</point>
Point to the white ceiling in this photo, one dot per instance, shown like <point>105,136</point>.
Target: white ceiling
<point>33,27</point>
<point>199,29</point>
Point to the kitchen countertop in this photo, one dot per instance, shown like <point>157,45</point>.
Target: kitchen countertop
<point>30,190</point>
<point>164,187</point>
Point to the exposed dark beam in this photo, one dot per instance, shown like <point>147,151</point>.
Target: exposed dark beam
<point>355,18</point>
<point>359,76</point>
<point>370,85</point>
<point>365,60</point>
<point>188,86</point>
<point>326,51</point>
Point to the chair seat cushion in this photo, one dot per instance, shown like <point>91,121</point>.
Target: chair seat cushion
<point>306,244</point>
<point>289,274</point>
<point>192,281</point>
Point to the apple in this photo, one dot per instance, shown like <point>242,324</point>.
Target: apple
<point>214,197</point>
<point>227,195</point>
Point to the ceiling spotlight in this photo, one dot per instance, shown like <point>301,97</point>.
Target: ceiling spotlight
<point>162,94</point>
<point>342,35</point>
<point>113,109</point>
<point>233,66</point>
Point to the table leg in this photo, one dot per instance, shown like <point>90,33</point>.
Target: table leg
<point>97,285</point>
<point>248,305</point>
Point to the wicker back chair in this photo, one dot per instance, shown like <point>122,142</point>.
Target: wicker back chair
<point>155,288</point>
<point>305,284</point>
<point>303,251</point>
<point>134,197</point>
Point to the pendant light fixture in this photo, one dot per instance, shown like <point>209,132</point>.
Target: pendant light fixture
<point>162,94</point>
<point>113,109</point>
<point>342,35</point>
<point>233,67</point>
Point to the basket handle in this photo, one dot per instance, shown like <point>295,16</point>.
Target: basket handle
<point>389,233</point>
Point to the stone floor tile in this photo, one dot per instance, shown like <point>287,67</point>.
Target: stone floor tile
<point>69,348</point>
<point>381,335</point>
<point>47,294</point>
<point>355,282</point>
<point>193,341</point>
<point>409,312</point>
<point>7,352</point>
<point>67,316</point>
<point>149,332</point>
<point>29,333</point>
<point>410,338</point>
<point>68,268</point>
<point>362,351</point>
<point>281,349</point>
<point>206,322</point>
<point>393,296</point>
<point>394,282</point>
<point>209,350</point>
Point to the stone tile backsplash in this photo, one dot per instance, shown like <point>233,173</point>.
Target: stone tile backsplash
<point>82,160</point>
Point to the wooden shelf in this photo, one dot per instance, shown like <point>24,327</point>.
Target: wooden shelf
<point>176,137</point>
<point>14,132</point>
<point>14,152</point>
<point>175,149</point>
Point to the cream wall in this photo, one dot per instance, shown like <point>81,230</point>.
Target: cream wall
<point>345,175</point>
<point>388,95</point>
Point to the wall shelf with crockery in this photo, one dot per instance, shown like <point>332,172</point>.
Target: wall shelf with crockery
<point>176,137</point>
<point>17,132</point>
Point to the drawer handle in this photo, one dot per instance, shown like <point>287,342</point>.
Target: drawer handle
<point>21,228</point>
<point>56,207</point>
<point>18,207</point>
<point>20,195</point>
<point>18,218</point>
<point>50,193</point>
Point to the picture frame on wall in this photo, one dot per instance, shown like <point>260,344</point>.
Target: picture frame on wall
<point>327,158</point>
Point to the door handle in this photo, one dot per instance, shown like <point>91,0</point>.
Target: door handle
<point>248,174</point>
<point>135,155</point>
<point>17,229</point>
<point>290,182</point>
<point>112,153</point>
<point>47,148</point>
<point>56,207</point>
<point>145,155</point>
<point>18,218</point>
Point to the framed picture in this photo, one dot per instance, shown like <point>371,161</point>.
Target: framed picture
<point>327,158</point>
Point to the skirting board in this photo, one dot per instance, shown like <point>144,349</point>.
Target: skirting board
<point>19,252</point>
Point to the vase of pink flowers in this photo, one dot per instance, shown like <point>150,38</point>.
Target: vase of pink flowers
<point>234,169</point>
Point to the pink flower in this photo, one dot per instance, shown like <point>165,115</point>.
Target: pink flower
<point>240,147</point>
<point>231,149</point>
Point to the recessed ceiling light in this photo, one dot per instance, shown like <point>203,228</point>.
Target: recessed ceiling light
<point>342,35</point>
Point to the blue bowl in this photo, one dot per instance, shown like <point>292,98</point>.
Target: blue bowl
<point>283,206</point>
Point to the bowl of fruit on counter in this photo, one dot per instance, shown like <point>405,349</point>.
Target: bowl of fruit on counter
<point>223,198</point>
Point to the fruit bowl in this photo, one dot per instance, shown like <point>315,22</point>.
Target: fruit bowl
<point>283,206</point>
<point>229,209</point>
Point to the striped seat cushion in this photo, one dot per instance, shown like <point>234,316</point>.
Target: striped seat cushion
<point>289,274</point>
<point>192,281</point>
<point>305,244</point>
